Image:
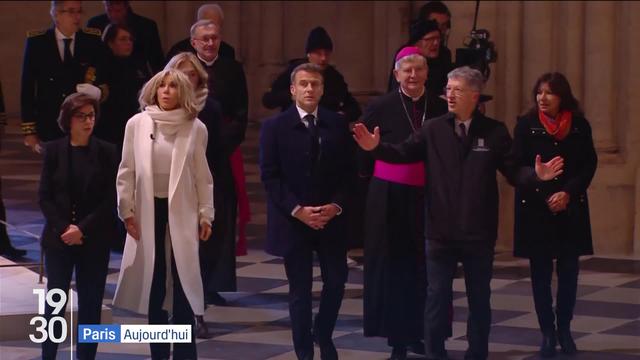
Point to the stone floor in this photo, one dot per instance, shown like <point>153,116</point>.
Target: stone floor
<point>255,324</point>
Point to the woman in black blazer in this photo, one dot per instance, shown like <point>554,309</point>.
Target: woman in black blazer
<point>552,218</point>
<point>77,197</point>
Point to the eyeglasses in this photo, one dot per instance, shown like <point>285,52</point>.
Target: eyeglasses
<point>206,40</point>
<point>431,39</point>
<point>84,117</point>
<point>72,12</point>
<point>457,92</point>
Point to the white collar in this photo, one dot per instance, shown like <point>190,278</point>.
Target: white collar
<point>208,63</point>
<point>413,98</point>
<point>303,113</point>
<point>60,36</point>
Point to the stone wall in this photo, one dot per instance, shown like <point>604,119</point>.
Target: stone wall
<point>595,43</point>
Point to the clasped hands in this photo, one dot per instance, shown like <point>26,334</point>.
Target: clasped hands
<point>316,217</point>
<point>133,230</point>
<point>72,235</point>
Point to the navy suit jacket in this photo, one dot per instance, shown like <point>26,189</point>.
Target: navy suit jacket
<point>292,179</point>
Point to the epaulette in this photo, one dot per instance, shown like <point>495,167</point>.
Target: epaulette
<point>92,31</point>
<point>28,128</point>
<point>32,33</point>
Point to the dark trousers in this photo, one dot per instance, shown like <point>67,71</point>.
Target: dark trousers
<point>5,243</point>
<point>299,265</point>
<point>567,268</point>
<point>182,312</point>
<point>218,255</point>
<point>91,274</point>
<point>478,269</point>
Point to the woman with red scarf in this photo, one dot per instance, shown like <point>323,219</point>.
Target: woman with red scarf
<point>552,218</point>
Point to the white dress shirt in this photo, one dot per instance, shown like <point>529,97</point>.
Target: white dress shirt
<point>60,42</point>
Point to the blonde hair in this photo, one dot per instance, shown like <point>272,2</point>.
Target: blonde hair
<point>186,95</point>
<point>185,57</point>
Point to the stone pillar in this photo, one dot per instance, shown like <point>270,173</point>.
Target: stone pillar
<point>599,79</point>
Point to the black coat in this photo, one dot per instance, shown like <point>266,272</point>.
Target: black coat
<point>95,212</point>
<point>290,178</point>
<point>336,92</point>
<point>228,86</point>
<point>125,77</point>
<point>146,39</point>
<point>184,45</point>
<point>46,81</point>
<point>461,191</point>
<point>537,230</point>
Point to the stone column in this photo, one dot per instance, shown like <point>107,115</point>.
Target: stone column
<point>599,72</point>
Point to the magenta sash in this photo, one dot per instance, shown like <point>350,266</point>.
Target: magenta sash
<point>407,174</point>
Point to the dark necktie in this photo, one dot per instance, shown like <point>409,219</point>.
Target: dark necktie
<point>463,132</point>
<point>313,131</point>
<point>67,51</point>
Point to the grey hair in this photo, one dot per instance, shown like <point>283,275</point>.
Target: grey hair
<point>201,23</point>
<point>308,67</point>
<point>210,8</point>
<point>55,5</point>
<point>413,57</point>
<point>471,76</point>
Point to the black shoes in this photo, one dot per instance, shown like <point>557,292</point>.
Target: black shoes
<point>214,298</point>
<point>567,344</point>
<point>417,348</point>
<point>548,346</point>
<point>202,331</point>
<point>398,353</point>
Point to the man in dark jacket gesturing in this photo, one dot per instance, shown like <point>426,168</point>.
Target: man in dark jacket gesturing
<point>462,151</point>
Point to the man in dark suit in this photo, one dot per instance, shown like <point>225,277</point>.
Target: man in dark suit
<point>55,62</point>
<point>228,86</point>
<point>462,151</point>
<point>211,12</point>
<point>146,40</point>
<point>305,174</point>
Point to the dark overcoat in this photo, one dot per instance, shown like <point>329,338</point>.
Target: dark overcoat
<point>537,230</point>
<point>291,178</point>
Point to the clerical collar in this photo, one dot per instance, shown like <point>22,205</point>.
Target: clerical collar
<point>413,98</point>
<point>208,63</point>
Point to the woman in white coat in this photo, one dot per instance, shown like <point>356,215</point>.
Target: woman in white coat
<point>165,197</point>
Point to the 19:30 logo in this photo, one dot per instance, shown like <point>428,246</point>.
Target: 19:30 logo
<point>56,298</point>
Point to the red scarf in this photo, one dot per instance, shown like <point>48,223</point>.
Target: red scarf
<point>559,128</point>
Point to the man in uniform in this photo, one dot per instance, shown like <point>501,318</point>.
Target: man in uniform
<point>146,40</point>
<point>57,62</point>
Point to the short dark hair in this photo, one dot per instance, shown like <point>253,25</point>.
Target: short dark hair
<point>433,7</point>
<point>70,105</point>
<point>559,86</point>
<point>111,31</point>
<point>308,67</point>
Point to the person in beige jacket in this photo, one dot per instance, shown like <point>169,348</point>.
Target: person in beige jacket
<point>165,198</point>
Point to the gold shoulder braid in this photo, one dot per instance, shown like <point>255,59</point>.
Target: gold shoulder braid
<point>92,31</point>
<point>28,128</point>
<point>37,32</point>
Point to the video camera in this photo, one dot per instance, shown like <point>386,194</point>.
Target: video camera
<point>479,51</point>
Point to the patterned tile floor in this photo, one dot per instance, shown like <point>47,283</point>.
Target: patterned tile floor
<point>255,324</point>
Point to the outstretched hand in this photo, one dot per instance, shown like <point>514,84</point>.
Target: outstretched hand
<point>550,169</point>
<point>364,138</point>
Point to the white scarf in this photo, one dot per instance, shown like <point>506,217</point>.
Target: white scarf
<point>201,98</point>
<point>168,122</point>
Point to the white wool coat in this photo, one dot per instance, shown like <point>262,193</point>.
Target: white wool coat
<point>190,203</point>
